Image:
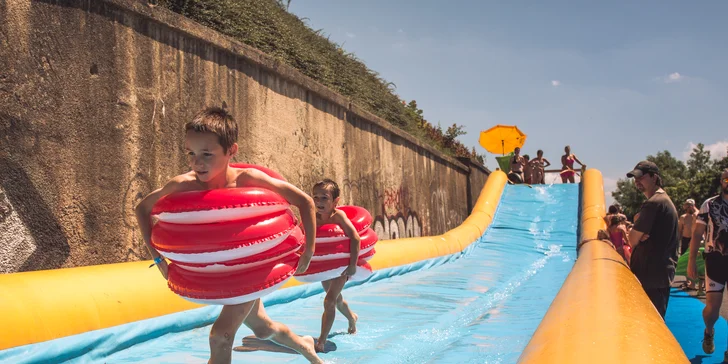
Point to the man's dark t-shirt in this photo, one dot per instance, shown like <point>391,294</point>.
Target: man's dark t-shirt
<point>653,260</point>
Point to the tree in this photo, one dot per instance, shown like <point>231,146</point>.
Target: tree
<point>704,179</point>
<point>452,133</point>
<point>699,159</point>
<point>672,169</point>
<point>699,180</point>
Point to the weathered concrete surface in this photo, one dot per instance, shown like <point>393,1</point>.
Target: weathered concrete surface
<point>476,180</point>
<point>93,99</point>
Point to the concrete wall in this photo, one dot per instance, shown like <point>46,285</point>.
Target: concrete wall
<point>477,177</point>
<point>93,99</point>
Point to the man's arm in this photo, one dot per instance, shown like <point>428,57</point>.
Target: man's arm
<point>680,226</point>
<point>699,226</point>
<point>635,237</point>
<point>695,239</point>
<point>698,231</point>
<point>643,226</point>
<point>294,196</point>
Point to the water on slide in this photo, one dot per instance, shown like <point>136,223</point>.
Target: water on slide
<point>480,308</point>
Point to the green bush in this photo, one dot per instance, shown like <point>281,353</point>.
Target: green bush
<point>267,26</point>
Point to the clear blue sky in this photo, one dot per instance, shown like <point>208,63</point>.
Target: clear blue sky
<point>617,80</point>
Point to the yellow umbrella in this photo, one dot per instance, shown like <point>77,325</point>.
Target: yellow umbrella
<point>502,139</point>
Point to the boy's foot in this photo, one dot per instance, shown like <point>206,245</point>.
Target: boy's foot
<point>708,344</point>
<point>320,346</point>
<point>725,357</point>
<point>352,323</point>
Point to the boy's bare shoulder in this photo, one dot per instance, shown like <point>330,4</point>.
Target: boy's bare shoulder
<point>340,216</point>
<point>248,176</point>
<point>183,182</point>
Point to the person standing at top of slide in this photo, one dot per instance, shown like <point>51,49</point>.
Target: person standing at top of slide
<point>517,164</point>
<point>538,166</point>
<point>567,165</point>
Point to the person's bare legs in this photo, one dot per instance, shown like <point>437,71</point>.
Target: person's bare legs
<point>327,319</point>
<point>266,329</point>
<point>343,307</point>
<point>222,333</point>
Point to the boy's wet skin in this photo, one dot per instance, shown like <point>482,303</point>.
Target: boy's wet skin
<point>210,143</point>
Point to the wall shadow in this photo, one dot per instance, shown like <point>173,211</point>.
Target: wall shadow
<point>52,249</point>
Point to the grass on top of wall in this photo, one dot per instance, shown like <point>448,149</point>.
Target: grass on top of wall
<point>269,27</point>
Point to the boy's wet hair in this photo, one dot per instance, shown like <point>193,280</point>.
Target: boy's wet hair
<point>615,220</point>
<point>329,185</point>
<point>217,121</point>
<point>539,152</point>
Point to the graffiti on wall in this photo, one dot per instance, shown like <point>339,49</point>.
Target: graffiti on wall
<point>397,219</point>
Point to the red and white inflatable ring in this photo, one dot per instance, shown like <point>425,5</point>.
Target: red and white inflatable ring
<point>291,245</point>
<point>229,240</point>
<point>342,248</point>
<point>231,288</point>
<point>359,217</point>
<point>329,269</point>
<point>201,207</point>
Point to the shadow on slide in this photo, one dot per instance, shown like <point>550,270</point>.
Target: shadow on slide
<point>252,343</point>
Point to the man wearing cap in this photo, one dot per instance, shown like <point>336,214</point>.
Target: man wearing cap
<point>654,237</point>
<point>713,221</point>
<point>685,225</point>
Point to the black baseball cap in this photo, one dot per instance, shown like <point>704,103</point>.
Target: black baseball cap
<point>643,168</point>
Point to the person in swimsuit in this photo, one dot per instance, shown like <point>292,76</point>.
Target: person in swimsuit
<point>517,163</point>
<point>685,225</point>
<point>567,165</point>
<point>527,171</point>
<point>618,236</point>
<point>326,198</point>
<point>614,210</point>
<point>538,166</point>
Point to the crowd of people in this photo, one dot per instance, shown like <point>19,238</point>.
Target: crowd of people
<point>523,169</point>
<point>659,236</point>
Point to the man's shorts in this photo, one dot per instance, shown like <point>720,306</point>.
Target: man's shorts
<point>716,271</point>
<point>685,244</point>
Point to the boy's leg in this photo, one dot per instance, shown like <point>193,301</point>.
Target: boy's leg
<point>222,334</point>
<point>343,307</point>
<point>265,328</point>
<point>330,303</point>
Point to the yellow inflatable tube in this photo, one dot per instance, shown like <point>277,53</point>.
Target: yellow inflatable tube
<point>601,314</point>
<point>45,305</point>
